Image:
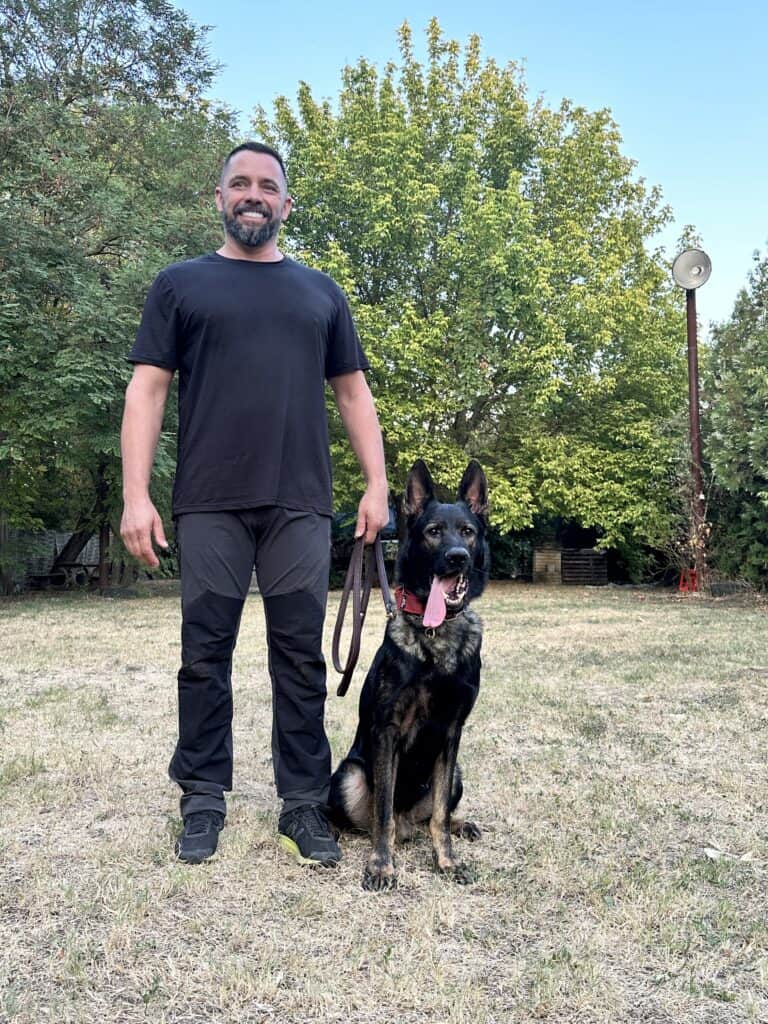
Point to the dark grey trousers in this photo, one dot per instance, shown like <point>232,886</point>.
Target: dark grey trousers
<point>290,551</point>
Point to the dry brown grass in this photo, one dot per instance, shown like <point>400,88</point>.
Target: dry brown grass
<point>616,761</point>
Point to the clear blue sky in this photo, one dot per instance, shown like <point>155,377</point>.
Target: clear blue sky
<point>686,83</point>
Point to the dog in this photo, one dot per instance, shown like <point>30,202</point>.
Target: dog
<point>401,769</point>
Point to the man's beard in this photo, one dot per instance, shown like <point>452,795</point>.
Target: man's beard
<point>254,236</point>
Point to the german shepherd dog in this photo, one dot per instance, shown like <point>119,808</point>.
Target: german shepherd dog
<point>424,680</point>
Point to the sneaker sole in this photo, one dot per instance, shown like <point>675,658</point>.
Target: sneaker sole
<point>290,847</point>
<point>197,860</point>
<point>194,858</point>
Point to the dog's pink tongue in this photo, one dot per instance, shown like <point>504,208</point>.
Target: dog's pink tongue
<point>434,613</point>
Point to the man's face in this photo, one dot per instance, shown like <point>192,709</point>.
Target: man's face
<point>252,198</point>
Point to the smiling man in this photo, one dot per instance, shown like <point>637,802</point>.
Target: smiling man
<point>253,335</point>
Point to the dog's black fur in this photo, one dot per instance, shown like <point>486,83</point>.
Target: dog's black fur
<point>401,769</point>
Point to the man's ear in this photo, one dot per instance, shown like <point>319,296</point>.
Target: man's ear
<point>419,489</point>
<point>473,489</point>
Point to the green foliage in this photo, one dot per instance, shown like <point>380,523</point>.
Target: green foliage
<point>105,145</point>
<point>494,251</point>
<point>739,544</point>
<point>736,391</point>
<point>511,555</point>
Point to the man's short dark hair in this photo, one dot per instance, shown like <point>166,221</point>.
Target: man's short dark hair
<point>255,147</point>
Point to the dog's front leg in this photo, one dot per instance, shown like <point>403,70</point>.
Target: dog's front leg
<point>380,870</point>
<point>440,822</point>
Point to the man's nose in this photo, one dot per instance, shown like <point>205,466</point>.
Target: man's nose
<point>254,194</point>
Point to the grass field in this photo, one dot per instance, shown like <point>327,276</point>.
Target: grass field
<point>616,762</point>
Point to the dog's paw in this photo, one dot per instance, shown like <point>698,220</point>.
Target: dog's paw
<point>464,874</point>
<point>465,829</point>
<point>471,831</point>
<point>379,879</point>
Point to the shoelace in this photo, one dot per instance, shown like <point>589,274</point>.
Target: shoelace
<point>314,821</point>
<point>198,824</point>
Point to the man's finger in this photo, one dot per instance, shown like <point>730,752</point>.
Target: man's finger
<point>147,552</point>
<point>159,532</point>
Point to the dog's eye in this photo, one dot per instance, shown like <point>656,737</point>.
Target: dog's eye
<point>467,531</point>
<point>432,531</point>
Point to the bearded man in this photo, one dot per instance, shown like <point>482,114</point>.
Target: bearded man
<point>253,335</point>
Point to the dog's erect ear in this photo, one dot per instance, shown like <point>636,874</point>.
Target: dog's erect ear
<point>419,488</point>
<point>473,488</point>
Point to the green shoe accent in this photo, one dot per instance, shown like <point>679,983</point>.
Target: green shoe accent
<point>290,847</point>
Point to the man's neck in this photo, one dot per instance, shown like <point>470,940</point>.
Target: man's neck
<point>268,253</point>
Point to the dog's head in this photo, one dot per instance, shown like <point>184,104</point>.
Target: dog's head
<point>446,542</point>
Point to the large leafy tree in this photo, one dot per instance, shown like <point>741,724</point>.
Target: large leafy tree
<point>108,156</point>
<point>736,392</point>
<point>496,255</point>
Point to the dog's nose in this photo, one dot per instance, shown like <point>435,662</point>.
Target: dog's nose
<point>457,558</point>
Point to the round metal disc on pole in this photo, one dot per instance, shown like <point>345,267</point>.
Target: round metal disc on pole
<point>691,268</point>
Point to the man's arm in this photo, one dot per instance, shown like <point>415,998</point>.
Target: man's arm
<point>358,414</point>
<point>142,421</point>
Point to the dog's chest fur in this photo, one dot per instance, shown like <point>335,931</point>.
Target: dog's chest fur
<point>456,640</point>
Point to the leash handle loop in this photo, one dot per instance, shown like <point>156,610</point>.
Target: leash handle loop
<point>365,561</point>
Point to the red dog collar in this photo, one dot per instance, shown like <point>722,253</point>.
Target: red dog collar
<point>407,602</point>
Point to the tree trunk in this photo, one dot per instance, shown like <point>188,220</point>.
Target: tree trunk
<point>103,521</point>
<point>6,580</point>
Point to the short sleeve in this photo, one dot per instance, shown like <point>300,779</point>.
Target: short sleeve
<point>156,338</point>
<point>344,353</point>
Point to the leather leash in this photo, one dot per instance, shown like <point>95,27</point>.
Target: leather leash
<point>366,559</point>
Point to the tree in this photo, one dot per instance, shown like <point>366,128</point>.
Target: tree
<point>106,148</point>
<point>736,393</point>
<point>495,254</point>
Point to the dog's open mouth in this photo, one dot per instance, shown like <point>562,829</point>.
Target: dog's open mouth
<point>454,590</point>
<point>447,593</point>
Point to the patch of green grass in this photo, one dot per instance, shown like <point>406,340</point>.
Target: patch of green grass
<point>20,769</point>
<point>590,724</point>
<point>98,710</point>
<point>10,1001</point>
<point>49,695</point>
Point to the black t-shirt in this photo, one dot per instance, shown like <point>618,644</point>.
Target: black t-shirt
<point>253,344</point>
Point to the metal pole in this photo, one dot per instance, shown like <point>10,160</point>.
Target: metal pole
<point>697,509</point>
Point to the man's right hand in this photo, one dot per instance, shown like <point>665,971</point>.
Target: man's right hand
<point>140,523</point>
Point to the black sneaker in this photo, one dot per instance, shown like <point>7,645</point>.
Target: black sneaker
<point>200,837</point>
<point>305,833</point>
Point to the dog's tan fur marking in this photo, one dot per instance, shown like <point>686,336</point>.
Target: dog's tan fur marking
<point>461,635</point>
<point>357,797</point>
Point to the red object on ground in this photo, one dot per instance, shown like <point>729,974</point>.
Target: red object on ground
<point>689,584</point>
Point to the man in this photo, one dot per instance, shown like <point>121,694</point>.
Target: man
<point>253,335</point>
